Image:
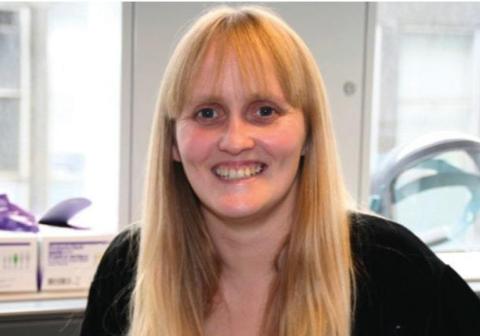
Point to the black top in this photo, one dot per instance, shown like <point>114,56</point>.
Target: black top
<point>403,288</point>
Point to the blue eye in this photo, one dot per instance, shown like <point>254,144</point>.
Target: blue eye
<point>207,113</point>
<point>265,111</point>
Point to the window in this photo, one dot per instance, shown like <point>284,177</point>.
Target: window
<point>60,69</point>
<point>427,72</point>
<point>14,98</point>
<point>425,163</point>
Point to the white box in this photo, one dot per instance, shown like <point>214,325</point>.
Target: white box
<point>18,262</point>
<point>69,257</point>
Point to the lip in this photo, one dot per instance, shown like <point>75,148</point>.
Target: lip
<point>238,165</point>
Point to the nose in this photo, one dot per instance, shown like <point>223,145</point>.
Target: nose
<point>237,136</point>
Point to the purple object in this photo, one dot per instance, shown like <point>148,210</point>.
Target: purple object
<point>62,212</point>
<point>14,218</point>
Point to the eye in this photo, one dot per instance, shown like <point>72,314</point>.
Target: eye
<point>206,113</point>
<point>265,111</point>
<point>264,114</point>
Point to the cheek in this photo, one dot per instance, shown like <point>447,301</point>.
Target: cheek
<point>194,145</point>
<point>286,143</point>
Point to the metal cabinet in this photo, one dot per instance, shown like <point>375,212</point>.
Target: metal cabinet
<point>41,325</point>
<point>42,317</point>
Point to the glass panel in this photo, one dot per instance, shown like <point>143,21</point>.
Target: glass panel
<point>70,110</point>
<point>427,82</point>
<point>427,72</point>
<point>9,50</point>
<point>17,191</point>
<point>9,135</point>
<point>427,97</point>
<point>83,48</point>
<point>440,203</point>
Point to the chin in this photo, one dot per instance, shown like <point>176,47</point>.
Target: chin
<point>237,210</point>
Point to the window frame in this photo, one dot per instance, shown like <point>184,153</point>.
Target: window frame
<point>22,95</point>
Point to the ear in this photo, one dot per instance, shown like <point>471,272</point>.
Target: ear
<point>175,153</point>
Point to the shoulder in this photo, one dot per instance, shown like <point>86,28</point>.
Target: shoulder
<point>120,256</point>
<point>381,241</point>
<point>107,308</point>
<point>396,273</point>
<point>380,230</point>
<point>403,288</point>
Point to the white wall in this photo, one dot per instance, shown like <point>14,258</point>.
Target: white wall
<point>335,32</point>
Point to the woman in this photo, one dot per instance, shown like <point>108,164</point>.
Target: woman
<point>247,229</point>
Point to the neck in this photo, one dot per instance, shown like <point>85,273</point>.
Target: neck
<point>249,252</point>
<point>249,248</point>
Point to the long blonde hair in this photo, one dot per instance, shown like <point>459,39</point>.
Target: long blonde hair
<point>178,268</point>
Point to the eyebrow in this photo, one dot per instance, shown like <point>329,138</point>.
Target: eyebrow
<point>212,98</point>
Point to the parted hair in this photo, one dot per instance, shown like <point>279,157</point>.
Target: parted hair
<point>178,267</point>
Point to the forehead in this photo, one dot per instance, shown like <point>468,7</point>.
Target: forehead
<point>222,68</point>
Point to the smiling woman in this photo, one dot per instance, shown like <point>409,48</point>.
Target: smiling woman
<point>239,150</point>
<point>247,228</point>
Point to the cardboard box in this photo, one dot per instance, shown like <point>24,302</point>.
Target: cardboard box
<point>69,258</point>
<point>18,262</point>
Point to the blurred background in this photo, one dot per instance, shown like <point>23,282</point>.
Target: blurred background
<point>78,83</point>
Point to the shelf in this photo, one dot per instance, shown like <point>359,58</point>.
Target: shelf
<point>42,303</point>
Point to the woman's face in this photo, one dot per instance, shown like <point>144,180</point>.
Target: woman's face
<point>240,148</point>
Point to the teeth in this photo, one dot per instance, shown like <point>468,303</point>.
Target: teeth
<point>238,173</point>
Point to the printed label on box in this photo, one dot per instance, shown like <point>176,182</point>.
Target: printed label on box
<point>71,264</point>
<point>18,267</point>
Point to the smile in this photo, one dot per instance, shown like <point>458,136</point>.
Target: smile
<point>227,172</point>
